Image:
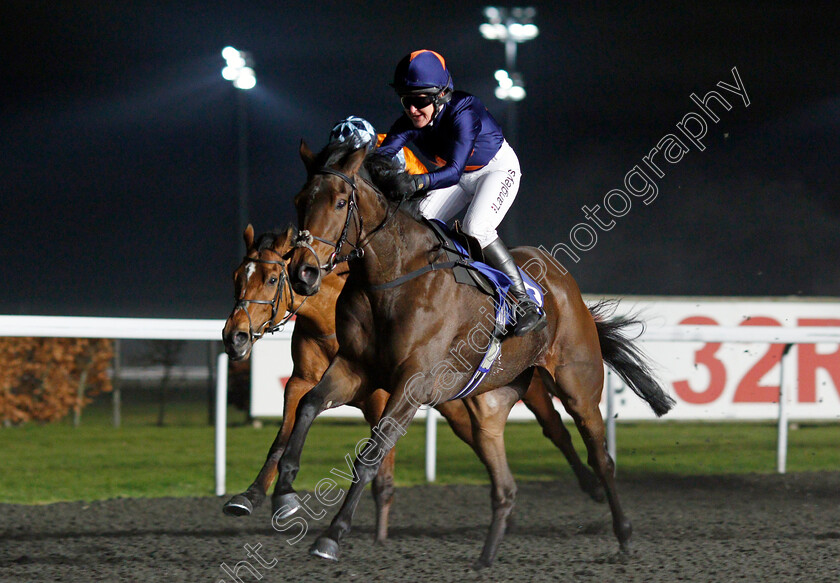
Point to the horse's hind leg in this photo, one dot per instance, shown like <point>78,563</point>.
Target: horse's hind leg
<point>539,402</point>
<point>243,504</point>
<point>579,387</point>
<point>488,413</point>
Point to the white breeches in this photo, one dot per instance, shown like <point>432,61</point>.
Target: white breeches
<point>489,192</point>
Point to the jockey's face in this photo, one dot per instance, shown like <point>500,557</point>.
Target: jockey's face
<point>422,116</point>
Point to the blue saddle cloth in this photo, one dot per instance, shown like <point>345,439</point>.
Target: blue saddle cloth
<point>500,283</point>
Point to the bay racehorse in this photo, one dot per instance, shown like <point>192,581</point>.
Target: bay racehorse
<point>402,326</point>
<point>263,296</point>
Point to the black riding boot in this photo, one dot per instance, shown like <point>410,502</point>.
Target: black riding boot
<point>528,315</point>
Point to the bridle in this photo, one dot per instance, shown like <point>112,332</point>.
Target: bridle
<point>305,238</point>
<point>269,327</point>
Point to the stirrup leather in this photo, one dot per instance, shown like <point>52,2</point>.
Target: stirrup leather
<point>527,314</point>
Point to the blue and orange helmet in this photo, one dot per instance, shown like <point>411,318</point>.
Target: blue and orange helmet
<point>422,71</point>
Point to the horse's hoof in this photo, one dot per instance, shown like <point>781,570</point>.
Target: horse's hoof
<point>326,548</point>
<point>625,548</point>
<point>597,494</point>
<point>623,531</point>
<point>480,564</point>
<point>592,486</point>
<point>239,505</point>
<point>285,505</point>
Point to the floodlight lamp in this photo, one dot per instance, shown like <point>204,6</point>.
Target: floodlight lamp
<point>229,73</point>
<point>237,61</point>
<point>527,32</point>
<point>492,14</point>
<point>516,93</point>
<point>238,68</point>
<point>488,31</point>
<point>229,53</point>
<point>510,86</point>
<point>246,79</point>
<point>524,14</point>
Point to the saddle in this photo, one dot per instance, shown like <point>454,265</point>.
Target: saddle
<point>470,268</point>
<point>463,250</point>
<point>464,257</point>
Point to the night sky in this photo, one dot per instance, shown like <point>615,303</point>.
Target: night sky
<point>118,140</point>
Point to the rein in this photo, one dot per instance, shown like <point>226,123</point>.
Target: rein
<point>270,327</point>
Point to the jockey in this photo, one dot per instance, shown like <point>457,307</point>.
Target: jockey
<point>478,168</point>
<point>361,133</point>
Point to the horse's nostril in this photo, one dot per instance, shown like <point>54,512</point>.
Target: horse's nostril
<point>240,339</point>
<point>309,274</point>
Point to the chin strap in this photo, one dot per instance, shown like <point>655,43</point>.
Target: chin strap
<point>441,99</point>
<point>440,102</point>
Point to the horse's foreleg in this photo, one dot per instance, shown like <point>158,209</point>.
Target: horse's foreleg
<point>580,390</point>
<point>383,495</point>
<point>489,413</point>
<point>539,402</point>
<point>397,415</point>
<point>383,484</point>
<point>339,385</point>
<point>243,504</point>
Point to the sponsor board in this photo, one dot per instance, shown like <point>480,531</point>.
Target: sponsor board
<point>709,380</point>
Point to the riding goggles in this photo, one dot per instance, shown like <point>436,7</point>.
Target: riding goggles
<point>418,101</point>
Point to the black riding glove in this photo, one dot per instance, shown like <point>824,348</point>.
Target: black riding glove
<point>420,182</point>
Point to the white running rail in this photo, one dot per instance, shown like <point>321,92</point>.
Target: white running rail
<point>166,329</point>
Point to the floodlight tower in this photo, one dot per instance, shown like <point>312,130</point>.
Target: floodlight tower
<point>239,71</point>
<point>512,27</point>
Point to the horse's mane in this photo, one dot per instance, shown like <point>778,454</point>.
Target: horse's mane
<point>386,174</point>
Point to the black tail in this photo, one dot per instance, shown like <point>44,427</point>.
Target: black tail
<point>626,359</point>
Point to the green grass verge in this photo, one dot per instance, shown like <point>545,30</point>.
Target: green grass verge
<point>57,462</point>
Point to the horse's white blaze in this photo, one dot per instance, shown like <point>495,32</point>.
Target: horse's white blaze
<point>249,271</point>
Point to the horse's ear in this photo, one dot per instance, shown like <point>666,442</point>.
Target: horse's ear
<point>285,242</point>
<point>354,161</point>
<point>306,155</point>
<point>248,236</point>
<point>291,232</point>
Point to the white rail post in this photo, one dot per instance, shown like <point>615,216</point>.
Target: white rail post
<point>781,446</point>
<point>221,421</point>
<point>116,394</point>
<point>431,443</point>
<point>611,415</point>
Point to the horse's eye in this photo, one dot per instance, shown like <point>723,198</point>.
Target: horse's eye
<point>272,280</point>
<point>341,204</point>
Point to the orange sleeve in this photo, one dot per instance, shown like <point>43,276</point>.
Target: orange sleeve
<point>413,165</point>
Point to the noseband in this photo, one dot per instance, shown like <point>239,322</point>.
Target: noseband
<point>269,327</point>
<point>305,238</point>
